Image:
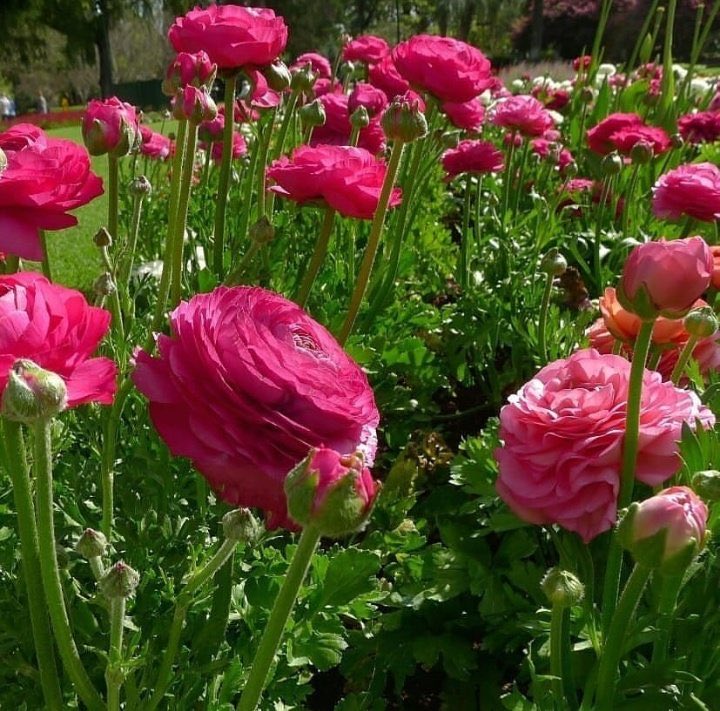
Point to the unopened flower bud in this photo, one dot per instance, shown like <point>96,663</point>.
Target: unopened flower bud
<point>189,68</point>
<point>587,94</point>
<point>33,393</point>
<point>641,152</point>
<point>240,525</point>
<point>262,231</point>
<point>104,285</point>
<point>120,581</point>
<point>701,322</point>
<point>3,161</point>
<point>707,484</point>
<point>611,164</point>
<point>665,531</point>
<point>330,491</point>
<point>562,588</point>
<point>195,105</point>
<point>677,141</point>
<point>553,263</point>
<point>303,79</point>
<point>360,118</point>
<point>450,139</point>
<point>277,76</point>
<point>312,114</point>
<point>110,126</point>
<point>102,238</point>
<point>403,120</point>
<point>91,544</point>
<point>140,186</point>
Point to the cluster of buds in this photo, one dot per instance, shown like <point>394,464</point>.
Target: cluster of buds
<point>194,104</point>
<point>189,69</point>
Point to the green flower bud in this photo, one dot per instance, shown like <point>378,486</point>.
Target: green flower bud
<point>91,544</point>
<point>104,285</point>
<point>241,525</point>
<point>553,263</point>
<point>262,231</point>
<point>701,322</point>
<point>360,118</point>
<point>641,153</point>
<point>303,79</point>
<point>120,581</point>
<point>277,75</point>
<point>403,121</point>
<point>140,186</point>
<point>587,95</point>
<point>677,141</point>
<point>562,588</point>
<point>450,139</point>
<point>102,238</point>
<point>312,114</point>
<point>33,393</point>
<point>611,164</point>
<point>707,484</point>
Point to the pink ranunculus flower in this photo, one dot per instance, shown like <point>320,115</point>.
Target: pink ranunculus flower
<point>551,150</point>
<point>239,148</point>
<point>467,115</point>
<point>689,190</point>
<point>372,98</point>
<point>187,68</point>
<point>56,328</point>
<point>211,131</point>
<point>320,65</point>
<point>44,179</point>
<point>337,128</point>
<point>665,278</point>
<point>625,139</point>
<point>233,36</point>
<point>449,69</point>
<point>154,144</point>
<point>700,127</point>
<point>522,114</point>
<point>385,76</point>
<point>110,126</point>
<point>345,178</point>
<point>245,384</point>
<point>563,436</point>
<point>599,137</point>
<point>326,86</point>
<point>472,157</point>
<point>366,48</point>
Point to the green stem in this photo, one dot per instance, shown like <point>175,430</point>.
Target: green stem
<point>237,274</point>
<point>181,607</point>
<point>224,178</point>
<point>285,125</point>
<point>42,636</point>
<point>264,147</point>
<point>542,325</point>
<point>46,270</point>
<point>670,588</point>
<point>597,263</point>
<point>50,572</point>
<point>464,257</point>
<point>128,256</point>
<point>176,270</point>
<point>373,241</point>
<point>683,359</point>
<point>279,616</point>
<point>247,193</point>
<point>97,567</point>
<point>318,257</point>
<point>613,648</point>
<point>560,657</point>
<point>113,197</point>
<point>114,672</point>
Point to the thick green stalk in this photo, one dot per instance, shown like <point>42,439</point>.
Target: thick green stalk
<point>669,590</point>
<point>613,647</point>
<point>224,178</point>
<point>605,7</point>
<point>683,359</point>
<point>264,147</point>
<point>630,65</point>
<point>373,241</point>
<point>176,270</point>
<point>247,194</point>
<point>597,263</point>
<point>113,197</point>
<point>560,657</point>
<point>318,257</point>
<point>279,616</point>
<point>114,672</point>
<point>51,573</point>
<point>542,325</point>
<point>25,511</point>
<point>46,270</point>
<point>464,257</point>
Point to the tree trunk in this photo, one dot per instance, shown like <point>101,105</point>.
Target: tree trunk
<point>536,34</point>
<point>466,19</point>
<point>105,60</point>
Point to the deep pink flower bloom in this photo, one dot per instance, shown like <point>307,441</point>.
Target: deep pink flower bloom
<point>233,36</point>
<point>550,149</point>
<point>239,148</point>
<point>599,137</point>
<point>348,179</point>
<point>467,115</point>
<point>245,385</point>
<point>211,131</point>
<point>326,86</point>
<point>320,65</point>
<point>688,190</point>
<point>472,157</point>
<point>57,329</point>
<point>155,145</point>
<point>563,435</point>
<point>385,76</point>
<point>45,178</point>
<point>110,126</point>
<point>337,128</point>
<point>625,139</point>
<point>700,127</point>
<point>522,114</point>
<point>449,69</point>
<point>372,98</point>
<point>366,48</point>
<point>551,98</point>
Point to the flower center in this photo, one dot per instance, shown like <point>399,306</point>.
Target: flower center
<point>303,340</point>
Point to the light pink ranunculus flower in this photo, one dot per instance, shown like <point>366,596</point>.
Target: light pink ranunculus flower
<point>245,385</point>
<point>688,191</point>
<point>522,114</point>
<point>563,436</point>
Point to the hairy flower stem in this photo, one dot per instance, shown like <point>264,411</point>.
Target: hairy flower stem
<point>50,572</point>
<point>613,570</point>
<point>667,91</point>
<point>597,258</point>
<point>669,590</point>
<point>288,117</point>
<point>114,672</point>
<point>46,270</point>
<point>113,197</point>
<point>279,616</point>
<point>613,647</point>
<point>373,242</point>
<point>683,359</point>
<point>542,324</point>
<point>42,636</point>
<point>318,257</point>
<point>224,178</point>
<point>128,254</point>
<point>264,146</point>
<point>560,657</point>
<point>464,256</point>
<point>176,270</point>
<point>182,604</point>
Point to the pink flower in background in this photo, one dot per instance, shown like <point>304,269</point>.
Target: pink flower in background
<point>211,131</point>
<point>449,69</point>
<point>233,36</point>
<point>467,115</point>
<point>336,129</point>
<point>239,148</point>
<point>110,126</point>
<point>320,65</point>
<point>625,139</point>
<point>372,98</point>
<point>245,384</point>
<point>57,329</point>
<point>689,190</point>
<point>326,86</point>
<point>366,48</point>
<point>348,179</point>
<point>187,68</point>
<point>44,179</point>
<point>563,435</point>
<point>385,76</point>
<point>522,114</point>
<point>551,150</point>
<point>472,157</point>
<point>700,127</point>
<point>155,145</point>
<point>599,137</point>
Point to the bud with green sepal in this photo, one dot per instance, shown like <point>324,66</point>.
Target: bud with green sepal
<point>120,581</point>
<point>707,484</point>
<point>562,588</point>
<point>33,393</point>
<point>642,152</point>
<point>303,79</point>
<point>194,104</point>
<point>360,118</point>
<point>140,186</point>
<point>611,164</point>
<point>403,120</point>
<point>277,76</point>
<point>240,525</point>
<point>701,322</point>
<point>553,263</point>
<point>312,114</point>
<point>91,544</point>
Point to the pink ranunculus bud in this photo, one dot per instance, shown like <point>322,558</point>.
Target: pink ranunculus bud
<point>333,492</point>
<point>667,530</point>
<point>110,126</point>
<point>33,393</point>
<point>189,68</point>
<point>665,278</point>
<point>403,120</point>
<point>195,105</point>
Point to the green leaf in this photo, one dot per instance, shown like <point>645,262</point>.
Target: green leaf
<point>350,573</point>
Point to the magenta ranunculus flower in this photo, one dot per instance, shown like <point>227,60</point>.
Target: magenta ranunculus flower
<point>599,137</point>
<point>467,115</point>
<point>522,114</point>
<point>56,328</point>
<point>337,128</point>
<point>233,36</point>
<point>688,191</point>
<point>385,76</point>
<point>245,385</point>
<point>700,127</point>
<point>665,278</point>
<point>155,145</point>
<point>625,139</point>
<point>472,157</point>
<point>110,126</point>
<point>553,151</point>
<point>563,436</point>
<point>320,65</point>
<point>369,96</point>
<point>239,148</point>
<point>44,179</point>
<point>366,48</point>
<point>345,178</point>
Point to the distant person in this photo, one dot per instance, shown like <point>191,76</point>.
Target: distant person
<point>41,104</point>
<point>12,111</point>
<point>4,107</point>
<point>64,103</point>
